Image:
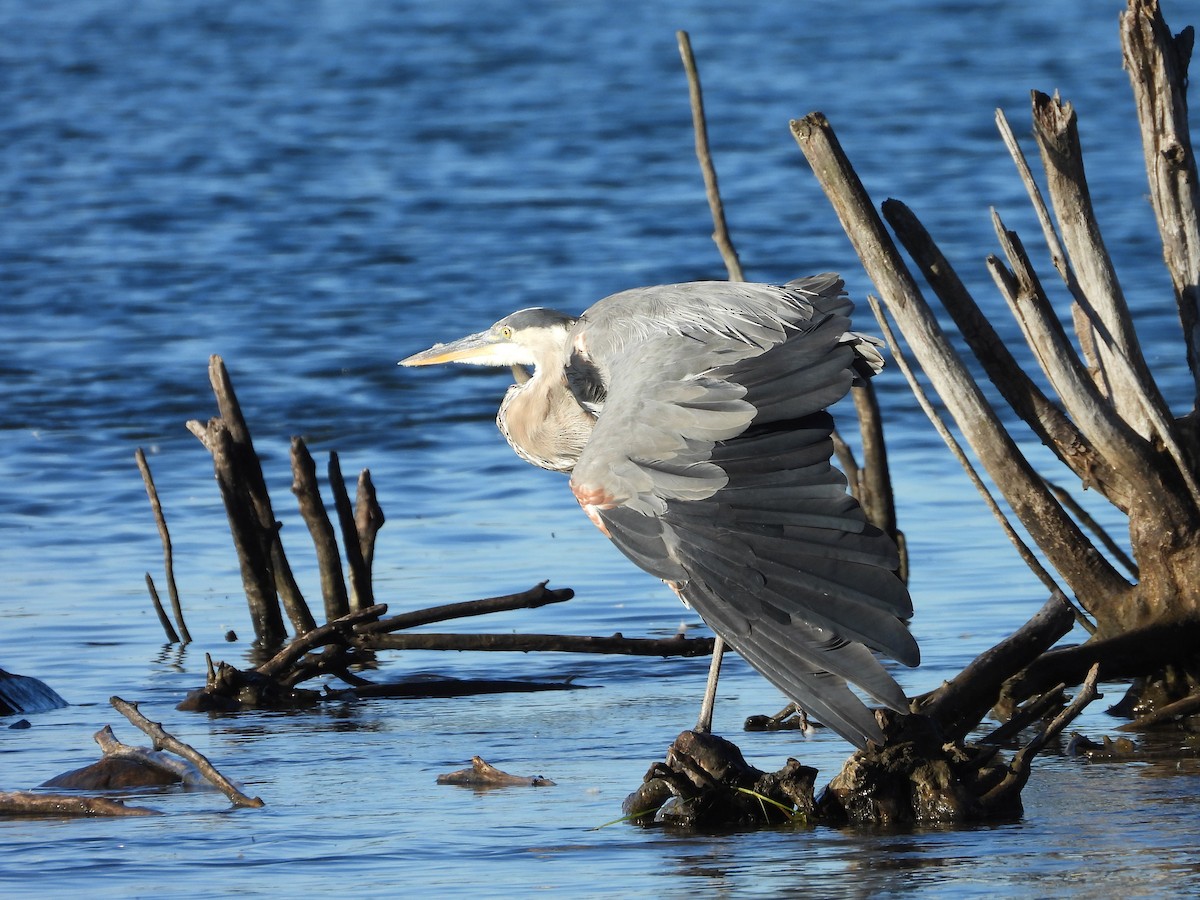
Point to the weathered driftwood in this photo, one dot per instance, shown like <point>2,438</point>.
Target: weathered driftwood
<point>1109,423</point>
<point>339,631</point>
<point>30,803</point>
<point>168,628</point>
<point>122,767</point>
<point>959,705</point>
<point>361,592</point>
<point>272,684</point>
<point>914,781</point>
<point>1018,770</point>
<point>920,776</point>
<point>1058,535</point>
<point>1157,63</point>
<point>166,741</point>
<point>959,454</point>
<point>483,774</point>
<point>368,518</point>
<point>251,545</point>
<point>441,686</point>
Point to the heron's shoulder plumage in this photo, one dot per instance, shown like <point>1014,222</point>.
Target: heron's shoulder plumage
<point>742,312</point>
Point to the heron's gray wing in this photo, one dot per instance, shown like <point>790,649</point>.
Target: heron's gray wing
<point>793,579</point>
<point>709,467</point>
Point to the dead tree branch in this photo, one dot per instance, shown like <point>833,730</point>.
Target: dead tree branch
<point>1019,768</point>
<point>1052,427</point>
<point>251,479</point>
<point>172,636</point>
<point>542,643</point>
<point>368,518</point>
<point>1100,309</point>
<point>1157,63</point>
<point>340,630</point>
<point>535,597</point>
<point>253,555</point>
<point>960,704</point>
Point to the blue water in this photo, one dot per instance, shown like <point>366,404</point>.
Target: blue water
<point>314,190</point>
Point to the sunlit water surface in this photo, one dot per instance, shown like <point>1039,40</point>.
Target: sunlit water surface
<point>316,190</point>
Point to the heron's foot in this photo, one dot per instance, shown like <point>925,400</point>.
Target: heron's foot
<point>790,718</point>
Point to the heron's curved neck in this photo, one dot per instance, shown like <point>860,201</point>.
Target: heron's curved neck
<point>542,421</point>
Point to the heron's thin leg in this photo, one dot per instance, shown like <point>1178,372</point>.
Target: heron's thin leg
<point>704,723</point>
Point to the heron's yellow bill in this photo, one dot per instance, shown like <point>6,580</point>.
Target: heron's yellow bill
<point>468,349</point>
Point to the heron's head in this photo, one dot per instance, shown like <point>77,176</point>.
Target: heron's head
<point>528,337</point>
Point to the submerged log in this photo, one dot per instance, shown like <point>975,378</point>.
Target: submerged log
<point>123,767</point>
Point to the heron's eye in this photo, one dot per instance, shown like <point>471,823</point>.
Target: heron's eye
<point>506,332</point>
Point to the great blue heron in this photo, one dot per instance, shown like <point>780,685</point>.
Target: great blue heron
<point>692,420</point>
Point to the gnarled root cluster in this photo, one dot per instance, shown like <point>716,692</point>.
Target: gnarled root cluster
<point>916,778</point>
<point>706,783</point>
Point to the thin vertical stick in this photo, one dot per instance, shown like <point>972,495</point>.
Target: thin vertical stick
<point>721,230</point>
<point>168,555</point>
<point>172,637</point>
